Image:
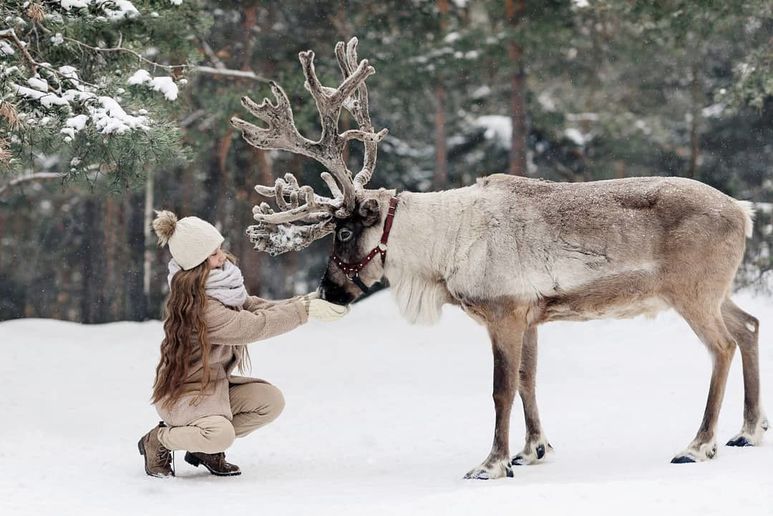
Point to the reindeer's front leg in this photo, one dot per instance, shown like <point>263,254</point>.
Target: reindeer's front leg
<point>506,334</point>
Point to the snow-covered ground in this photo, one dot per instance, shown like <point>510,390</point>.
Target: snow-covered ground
<point>384,418</point>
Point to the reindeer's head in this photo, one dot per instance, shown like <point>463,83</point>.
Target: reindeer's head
<point>354,214</point>
<point>359,249</point>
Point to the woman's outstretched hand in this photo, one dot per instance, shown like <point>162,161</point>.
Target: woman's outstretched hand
<point>322,310</point>
<point>314,294</point>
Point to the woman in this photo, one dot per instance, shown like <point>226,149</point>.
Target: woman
<point>210,319</point>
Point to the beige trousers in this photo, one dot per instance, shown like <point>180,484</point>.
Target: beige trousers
<point>253,405</point>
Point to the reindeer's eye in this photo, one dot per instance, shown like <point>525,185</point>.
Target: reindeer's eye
<point>345,234</point>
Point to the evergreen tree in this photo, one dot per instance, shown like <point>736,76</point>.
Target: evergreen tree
<point>81,84</point>
<point>87,97</point>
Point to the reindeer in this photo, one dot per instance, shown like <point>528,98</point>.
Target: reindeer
<point>514,253</point>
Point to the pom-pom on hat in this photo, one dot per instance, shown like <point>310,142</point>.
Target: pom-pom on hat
<point>191,240</point>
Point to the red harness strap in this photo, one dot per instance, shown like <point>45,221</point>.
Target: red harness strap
<point>352,270</point>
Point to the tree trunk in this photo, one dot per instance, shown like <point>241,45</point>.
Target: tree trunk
<point>340,21</point>
<point>696,100</point>
<point>92,300</point>
<point>113,232</point>
<point>137,267</point>
<point>252,260</point>
<point>147,240</point>
<point>619,168</point>
<point>212,185</point>
<point>189,188</point>
<point>225,200</point>
<point>4,259</point>
<point>249,22</point>
<point>440,176</point>
<point>514,12</point>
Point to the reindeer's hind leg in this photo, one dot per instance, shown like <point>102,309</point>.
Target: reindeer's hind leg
<point>708,324</point>
<point>537,444</point>
<point>745,328</point>
<point>506,327</point>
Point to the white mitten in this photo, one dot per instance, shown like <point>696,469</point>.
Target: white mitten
<point>321,310</point>
<point>314,294</point>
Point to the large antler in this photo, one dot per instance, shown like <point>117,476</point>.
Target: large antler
<point>278,232</point>
<point>294,226</point>
<point>358,107</point>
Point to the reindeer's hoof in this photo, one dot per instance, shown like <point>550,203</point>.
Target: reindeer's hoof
<point>520,460</point>
<point>696,453</point>
<point>498,470</point>
<point>739,441</point>
<point>750,435</point>
<point>531,454</point>
<point>477,474</point>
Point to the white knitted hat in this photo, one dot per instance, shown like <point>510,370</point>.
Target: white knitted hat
<point>191,240</point>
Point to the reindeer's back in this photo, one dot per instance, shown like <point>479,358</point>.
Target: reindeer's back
<point>673,205</point>
<point>563,235</point>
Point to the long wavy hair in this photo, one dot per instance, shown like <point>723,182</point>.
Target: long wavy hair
<point>184,315</point>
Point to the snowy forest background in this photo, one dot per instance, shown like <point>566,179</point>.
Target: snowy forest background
<point>111,108</point>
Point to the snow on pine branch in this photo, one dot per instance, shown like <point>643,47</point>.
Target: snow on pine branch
<point>36,93</point>
<point>76,99</point>
<point>165,85</point>
<point>6,49</point>
<point>113,9</point>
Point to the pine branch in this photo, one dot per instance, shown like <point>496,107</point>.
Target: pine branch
<point>242,74</point>
<point>211,54</point>
<point>119,48</point>
<point>219,68</point>
<point>10,34</point>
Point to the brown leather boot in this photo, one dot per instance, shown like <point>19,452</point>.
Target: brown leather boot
<point>214,462</point>
<point>158,460</point>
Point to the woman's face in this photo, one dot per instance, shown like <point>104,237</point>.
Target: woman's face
<point>216,259</point>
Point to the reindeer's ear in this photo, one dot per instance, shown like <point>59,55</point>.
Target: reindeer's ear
<point>369,212</point>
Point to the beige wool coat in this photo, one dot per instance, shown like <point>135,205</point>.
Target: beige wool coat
<point>229,330</point>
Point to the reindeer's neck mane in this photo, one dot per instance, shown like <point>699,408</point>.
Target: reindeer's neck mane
<point>423,242</point>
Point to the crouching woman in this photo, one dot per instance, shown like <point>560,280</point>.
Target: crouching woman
<point>209,320</point>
